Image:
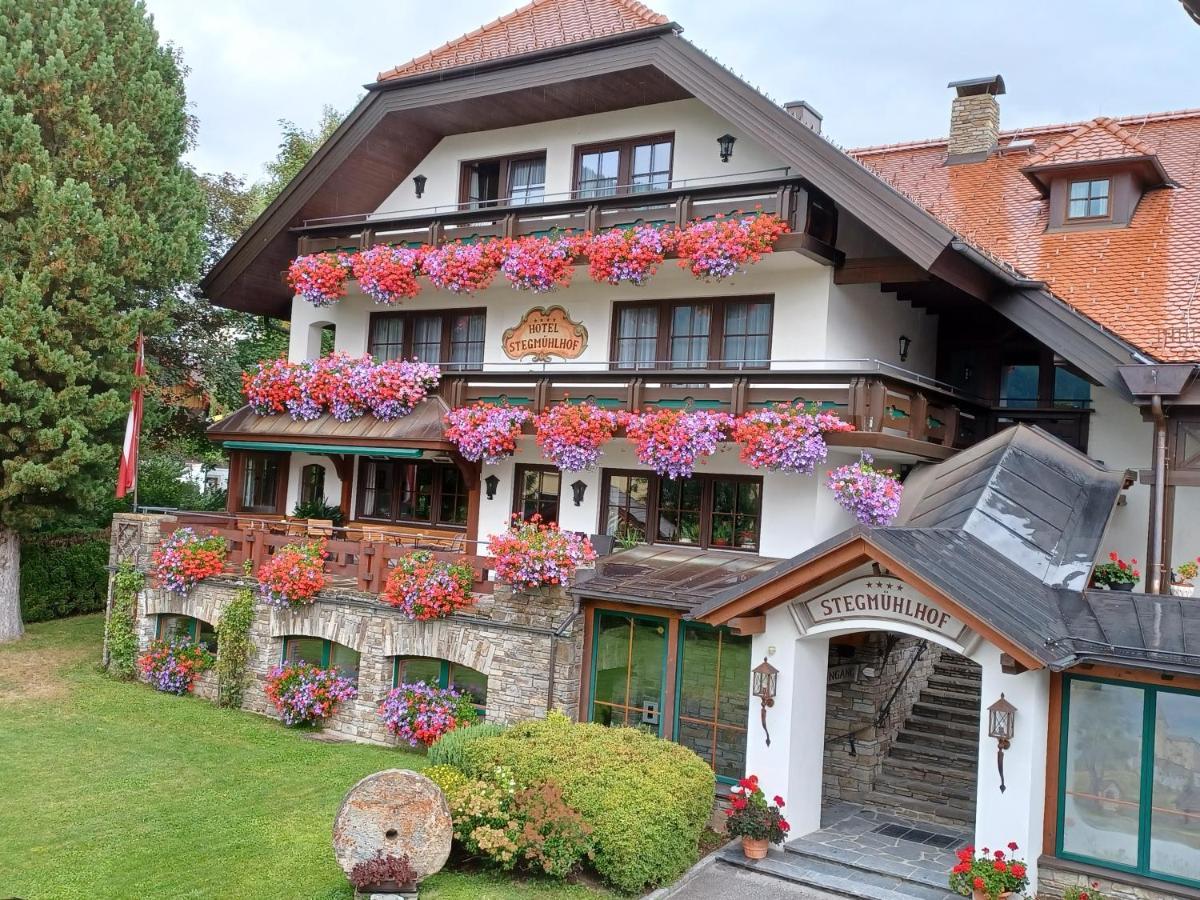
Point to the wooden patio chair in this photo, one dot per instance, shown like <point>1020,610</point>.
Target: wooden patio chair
<point>320,528</point>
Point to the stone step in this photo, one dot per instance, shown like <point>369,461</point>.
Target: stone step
<point>949,697</point>
<point>954,683</point>
<point>934,708</point>
<point>940,725</point>
<point>933,773</point>
<point>833,877</point>
<point>903,785</point>
<point>958,668</point>
<point>937,749</point>
<point>951,813</point>
<point>864,860</point>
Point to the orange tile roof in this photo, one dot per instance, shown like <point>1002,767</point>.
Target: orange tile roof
<point>1141,282</point>
<point>539,25</point>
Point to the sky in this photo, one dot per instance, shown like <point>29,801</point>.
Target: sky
<point>876,69</point>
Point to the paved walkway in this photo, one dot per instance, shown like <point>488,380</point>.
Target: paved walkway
<point>710,880</point>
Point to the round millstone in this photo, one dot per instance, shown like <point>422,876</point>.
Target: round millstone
<point>395,812</point>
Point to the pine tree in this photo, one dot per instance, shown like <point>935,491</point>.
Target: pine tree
<point>99,220</point>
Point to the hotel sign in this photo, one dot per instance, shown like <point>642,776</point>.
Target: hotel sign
<point>545,332</point>
<point>879,597</point>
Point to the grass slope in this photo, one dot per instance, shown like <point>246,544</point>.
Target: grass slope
<point>114,790</point>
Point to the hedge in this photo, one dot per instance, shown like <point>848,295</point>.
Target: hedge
<point>646,799</point>
<point>449,749</point>
<point>63,575</point>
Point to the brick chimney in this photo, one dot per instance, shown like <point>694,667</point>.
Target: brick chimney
<point>974,118</point>
<point>803,110</point>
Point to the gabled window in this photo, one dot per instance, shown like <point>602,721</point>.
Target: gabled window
<point>517,180</point>
<point>1089,199</point>
<point>450,338</point>
<point>633,165</point>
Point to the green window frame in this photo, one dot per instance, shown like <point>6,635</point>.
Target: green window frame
<point>449,674</point>
<point>1108,800</point>
<point>195,630</point>
<point>722,687</point>
<point>627,708</point>
<point>346,659</point>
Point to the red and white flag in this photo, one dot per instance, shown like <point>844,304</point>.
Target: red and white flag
<point>127,474</point>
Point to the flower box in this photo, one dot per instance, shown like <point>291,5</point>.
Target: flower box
<point>485,431</point>
<point>870,494</point>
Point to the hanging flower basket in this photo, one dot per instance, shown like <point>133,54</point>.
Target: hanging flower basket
<point>532,555</point>
<point>872,495</point>
<point>673,441</point>
<point>420,713</point>
<point>305,694</point>
<point>185,559</point>
<point>630,255</point>
<point>387,274</point>
<point>320,278</point>
<point>462,268</point>
<point>571,435</point>
<point>172,666</point>
<point>293,576</point>
<point>539,264</point>
<point>785,437</point>
<point>424,588</point>
<point>485,431</point>
<point>714,249</point>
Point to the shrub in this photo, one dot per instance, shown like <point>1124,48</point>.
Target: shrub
<point>233,637</point>
<point>120,637</point>
<point>172,666</point>
<point>63,574</point>
<point>449,749</point>
<point>554,837</point>
<point>647,800</point>
<point>447,778</point>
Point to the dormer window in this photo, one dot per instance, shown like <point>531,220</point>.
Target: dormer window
<point>1089,199</point>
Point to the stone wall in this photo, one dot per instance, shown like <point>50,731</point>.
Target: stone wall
<point>509,637</point>
<point>1054,877</point>
<point>974,124</point>
<point>855,707</point>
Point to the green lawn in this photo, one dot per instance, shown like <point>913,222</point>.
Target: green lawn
<point>112,790</point>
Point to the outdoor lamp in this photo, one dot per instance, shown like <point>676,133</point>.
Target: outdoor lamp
<point>578,489</point>
<point>419,184</point>
<point>1001,716</point>
<point>726,141</point>
<point>492,483</point>
<point>766,678</point>
<point>905,343</point>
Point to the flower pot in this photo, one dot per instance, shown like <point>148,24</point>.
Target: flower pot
<point>1124,586</point>
<point>755,848</point>
<point>1183,590</point>
<point>983,895</point>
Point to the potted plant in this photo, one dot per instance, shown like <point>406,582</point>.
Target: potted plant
<point>758,823</point>
<point>1183,578</point>
<point>1080,892</point>
<point>990,875</point>
<point>384,874</point>
<point>722,533</point>
<point>1116,574</point>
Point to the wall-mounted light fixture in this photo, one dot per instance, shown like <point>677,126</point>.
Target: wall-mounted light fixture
<point>905,344</point>
<point>766,680</point>
<point>1001,716</point>
<point>492,482</point>
<point>578,489</point>
<point>726,141</point>
<point>419,184</point>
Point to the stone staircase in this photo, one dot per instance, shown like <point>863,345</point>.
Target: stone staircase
<point>929,773</point>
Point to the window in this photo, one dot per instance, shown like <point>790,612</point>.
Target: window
<point>260,490</point>
<point>195,630</point>
<point>443,674</point>
<point>1019,385</point>
<point>452,339</point>
<point>628,670</point>
<point>519,180</point>
<point>1070,390</point>
<point>732,333</point>
<point>634,165</point>
<point>423,492</point>
<point>1129,778</point>
<point>323,653</point>
<point>1088,199</point>
<point>712,697</point>
<point>537,492</point>
<point>712,511</point>
<point>312,484</point>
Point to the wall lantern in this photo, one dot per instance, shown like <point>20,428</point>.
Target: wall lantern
<point>766,679</point>
<point>726,142</point>
<point>492,483</point>
<point>419,184</point>
<point>905,343</point>
<point>578,489</point>
<point>1001,716</point>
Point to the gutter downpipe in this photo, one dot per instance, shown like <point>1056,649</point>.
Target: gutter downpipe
<point>1158,499</point>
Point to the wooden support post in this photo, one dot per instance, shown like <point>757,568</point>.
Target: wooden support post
<point>918,416</point>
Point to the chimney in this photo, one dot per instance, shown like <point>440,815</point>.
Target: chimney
<point>974,118</point>
<point>803,111</point>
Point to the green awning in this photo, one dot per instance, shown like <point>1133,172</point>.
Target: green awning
<point>344,449</point>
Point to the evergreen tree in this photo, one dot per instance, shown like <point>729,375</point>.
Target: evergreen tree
<point>99,221</point>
